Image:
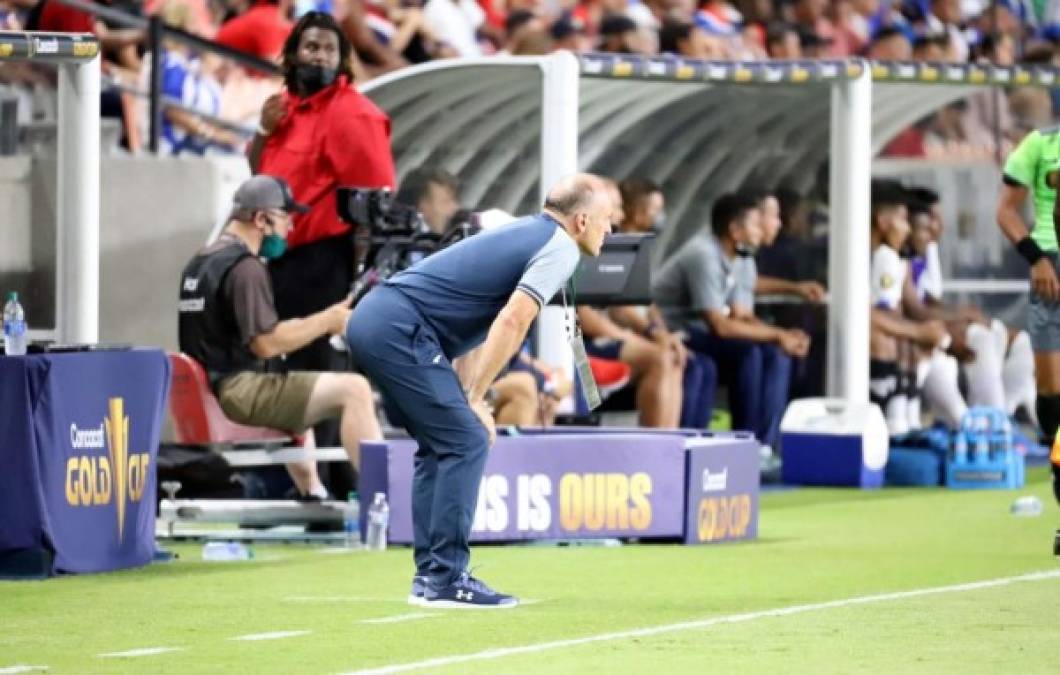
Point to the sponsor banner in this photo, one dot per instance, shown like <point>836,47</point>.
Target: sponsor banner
<point>552,486</point>
<point>15,46</point>
<point>679,69</point>
<point>797,72</point>
<point>48,46</point>
<point>722,489</point>
<point>567,430</point>
<point>672,68</point>
<point>81,435</point>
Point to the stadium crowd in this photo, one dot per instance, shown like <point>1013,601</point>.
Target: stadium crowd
<point>390,34</point>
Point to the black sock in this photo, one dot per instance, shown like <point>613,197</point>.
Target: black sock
<point>883,382</point>
<point>1048,408</point>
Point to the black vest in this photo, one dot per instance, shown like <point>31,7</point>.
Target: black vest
<point>207,322</point>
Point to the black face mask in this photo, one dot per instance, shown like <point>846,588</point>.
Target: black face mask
<point>746,250</point>
<point>309,79</point>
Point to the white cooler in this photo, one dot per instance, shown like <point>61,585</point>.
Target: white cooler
<point>828,441</point>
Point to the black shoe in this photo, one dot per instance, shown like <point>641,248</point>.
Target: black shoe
<point>419,586</point>
<point>467,592</point>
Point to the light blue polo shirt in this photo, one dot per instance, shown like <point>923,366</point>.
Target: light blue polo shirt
<point>460,290</point>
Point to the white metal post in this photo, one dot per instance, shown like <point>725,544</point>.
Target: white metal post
<point>848,249</point>
<point>559,119</point>
<point>78,202</point>
<point>559,158</point>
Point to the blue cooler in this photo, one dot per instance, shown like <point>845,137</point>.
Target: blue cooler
<point>828,441</point>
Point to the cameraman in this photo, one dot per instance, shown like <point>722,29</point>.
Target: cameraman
<point>318,134</point>
<point>480,294</point>
<point>228,323</point>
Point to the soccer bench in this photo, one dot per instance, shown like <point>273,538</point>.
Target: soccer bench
<point>199,421</point>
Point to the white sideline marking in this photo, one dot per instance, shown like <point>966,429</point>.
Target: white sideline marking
<point>21,668</point>
<point>354,598</point>
<point>276,635</point>
<point>491,654</point>
<point>341,598</point>
<point>145,651</point>
<point>398,618</point>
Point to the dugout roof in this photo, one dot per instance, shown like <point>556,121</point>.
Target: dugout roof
<point>697,128</point>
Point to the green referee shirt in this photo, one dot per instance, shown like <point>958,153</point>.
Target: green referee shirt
<point>1035,165</point>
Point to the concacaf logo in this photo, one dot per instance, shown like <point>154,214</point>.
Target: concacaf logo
<point>117,477</point>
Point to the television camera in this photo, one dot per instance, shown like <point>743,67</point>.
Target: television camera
<point>390,236</point>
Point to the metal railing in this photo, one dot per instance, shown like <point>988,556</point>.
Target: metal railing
<point>156,32</point>
<point>77,179</point>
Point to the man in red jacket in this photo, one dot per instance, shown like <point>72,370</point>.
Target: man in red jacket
<point>319,134</point>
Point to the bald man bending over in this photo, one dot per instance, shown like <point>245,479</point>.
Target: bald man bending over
<point>481,293</point>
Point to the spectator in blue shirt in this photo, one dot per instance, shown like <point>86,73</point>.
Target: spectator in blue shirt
<point>189,81</point>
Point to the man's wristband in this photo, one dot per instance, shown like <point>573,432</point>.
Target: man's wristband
<point>1029,249</point>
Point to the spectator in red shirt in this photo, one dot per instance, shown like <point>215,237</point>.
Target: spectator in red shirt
<point>120,59</point>
<point>261,30</point>
<point>319,134</point>
<point>118,43</point>
<point>59,18</point>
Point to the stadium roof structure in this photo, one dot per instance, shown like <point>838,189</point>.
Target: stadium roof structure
<point>510,127</point>
<point>682,123</point>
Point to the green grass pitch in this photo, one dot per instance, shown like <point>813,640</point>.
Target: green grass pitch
<point>815,546</point>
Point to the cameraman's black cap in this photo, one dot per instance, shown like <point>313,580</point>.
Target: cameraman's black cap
<point>266,192</point>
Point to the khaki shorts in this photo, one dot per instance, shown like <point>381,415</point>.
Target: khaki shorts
<point>274,400</point>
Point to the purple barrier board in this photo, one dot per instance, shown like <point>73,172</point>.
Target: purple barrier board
<point>552,487</point>
<point>722,490</point>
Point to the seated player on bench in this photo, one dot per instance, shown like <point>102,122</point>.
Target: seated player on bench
<point>906,354</point>
<point>657,366</point>
<point>1001,374</point>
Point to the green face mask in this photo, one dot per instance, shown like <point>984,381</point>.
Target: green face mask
<point>272,246</point>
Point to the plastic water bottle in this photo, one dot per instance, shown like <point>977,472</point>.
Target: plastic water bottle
<point>1004,443</point>
<point>1028,506</point>
<point>351,521</point>
<point>960,448</point>
<point>378,519</point>
<point>224,551</point>
<point>982,447</point>
<point>14,326</point>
